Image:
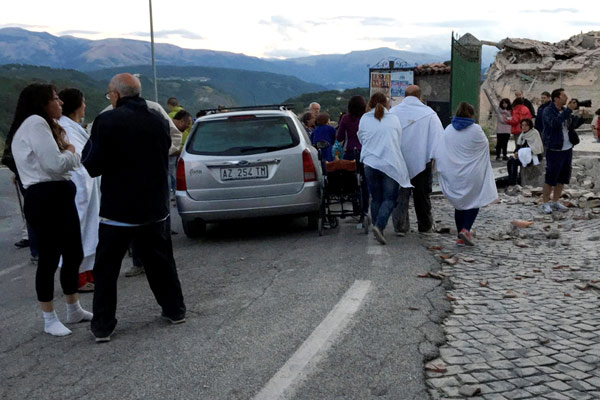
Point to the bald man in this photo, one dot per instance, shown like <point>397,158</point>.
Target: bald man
<point>421,128</point>
<point>129,148</point>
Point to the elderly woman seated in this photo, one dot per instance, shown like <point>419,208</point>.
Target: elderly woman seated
<point>529,150</point>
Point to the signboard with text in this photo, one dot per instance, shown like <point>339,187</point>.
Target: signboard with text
<point>392,83</point>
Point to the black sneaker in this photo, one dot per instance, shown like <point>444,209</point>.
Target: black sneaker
<point>174,321</point>
<point>21,244</point>
<point>104,339</point>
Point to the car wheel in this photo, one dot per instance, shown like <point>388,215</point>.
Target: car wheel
<point>194,228</point>
<point>321,225</point>
<point>313,220</point>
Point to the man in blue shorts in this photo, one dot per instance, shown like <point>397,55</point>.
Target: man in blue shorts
<point>559,150</point>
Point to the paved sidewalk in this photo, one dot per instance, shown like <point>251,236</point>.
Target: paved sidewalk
<point>525,303</point>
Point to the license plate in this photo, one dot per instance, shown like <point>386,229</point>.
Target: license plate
<point>230,174</point>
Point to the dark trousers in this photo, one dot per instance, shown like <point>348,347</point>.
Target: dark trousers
<point>52,215</point>
<point>422,188</point>
<point>502,143</point>
<point>384,193</point>
<point>465,218</point>
<point>512,166</point>
<point>153,246</point>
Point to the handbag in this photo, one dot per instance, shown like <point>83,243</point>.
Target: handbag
<point>573,137</point>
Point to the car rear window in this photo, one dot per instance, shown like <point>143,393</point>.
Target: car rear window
<point>242,135</point>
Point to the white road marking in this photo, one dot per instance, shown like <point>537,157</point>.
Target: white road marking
<point>284,383</point>
<point>376,250</point>
<point>13,268</point>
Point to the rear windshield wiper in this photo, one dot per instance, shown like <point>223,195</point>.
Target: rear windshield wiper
<point>257,148</point>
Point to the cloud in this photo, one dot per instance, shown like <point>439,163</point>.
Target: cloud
<point>462,24</point>
<point>24,26</point>
<point>554,11</point>
<point>583,23</point>
<point>368,21</point>
<point>283,25</point>
<point>433,44</point>
<point>78,32</point>
<point>166,34</point>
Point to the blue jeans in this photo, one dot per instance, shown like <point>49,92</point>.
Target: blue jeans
<point>465,218</point>
<point>384,193</point>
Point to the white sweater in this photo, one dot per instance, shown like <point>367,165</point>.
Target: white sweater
<point>37,156</point>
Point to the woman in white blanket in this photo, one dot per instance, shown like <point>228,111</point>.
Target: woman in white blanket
<point>87,198</point>
<point>380,134</point>
<point>465,174</point>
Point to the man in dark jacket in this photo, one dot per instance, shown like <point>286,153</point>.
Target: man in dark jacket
<point>559,150</point>
<point>134,203</point>
<point>539,121</point>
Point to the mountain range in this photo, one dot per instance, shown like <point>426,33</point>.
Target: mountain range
<point>334,71</point>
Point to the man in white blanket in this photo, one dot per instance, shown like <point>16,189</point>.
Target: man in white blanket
<point>421,128</point>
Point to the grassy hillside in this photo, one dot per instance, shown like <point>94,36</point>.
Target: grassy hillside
<point>188,84</point>
<point>332,102</point>
<point>13,78</point>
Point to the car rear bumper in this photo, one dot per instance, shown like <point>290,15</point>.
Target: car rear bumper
<point>304,202</point>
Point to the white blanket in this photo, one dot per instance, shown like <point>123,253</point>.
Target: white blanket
<point>381,150</point>
<point>421,128</point>
<point>87,198</point>
<point>464,169</point>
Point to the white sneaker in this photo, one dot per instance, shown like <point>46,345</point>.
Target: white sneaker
<point>546,208</point>
<point>378,235</point>
<point>556,206</point>
<point>135,270</point>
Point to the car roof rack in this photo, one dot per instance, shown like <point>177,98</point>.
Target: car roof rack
<point>281,107</point>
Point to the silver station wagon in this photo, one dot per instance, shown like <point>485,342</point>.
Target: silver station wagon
<point>246,164</point>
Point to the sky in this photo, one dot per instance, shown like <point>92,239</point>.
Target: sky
<point>284,28</point>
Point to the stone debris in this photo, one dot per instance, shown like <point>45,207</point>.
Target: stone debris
<point>535,66</point>
<point>519,223</point>
<point>433,275</point>
<point>436,366</point>
<point>532,334</point>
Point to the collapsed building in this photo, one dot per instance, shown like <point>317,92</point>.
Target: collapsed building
<point>533,67</point>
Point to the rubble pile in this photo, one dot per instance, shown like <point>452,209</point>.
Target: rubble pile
<point>533,67</point>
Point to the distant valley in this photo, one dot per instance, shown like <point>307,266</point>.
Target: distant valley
<point>334,71</point>
<point>198,78</point>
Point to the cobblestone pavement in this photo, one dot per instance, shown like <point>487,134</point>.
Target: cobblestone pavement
<point>524,322</point>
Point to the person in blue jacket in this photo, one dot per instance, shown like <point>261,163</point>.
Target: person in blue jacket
<point>559,150</point>
<point>324,132</point>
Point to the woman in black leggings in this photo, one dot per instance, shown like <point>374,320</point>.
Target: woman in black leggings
<point>44,157</point>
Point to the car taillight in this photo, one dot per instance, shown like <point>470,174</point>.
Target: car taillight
<point>310,173</point>
<point>181,185</point>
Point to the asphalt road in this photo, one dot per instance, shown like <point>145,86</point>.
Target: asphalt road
<point>271,309</point>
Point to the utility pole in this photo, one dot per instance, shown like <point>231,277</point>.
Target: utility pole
<point>152,48</point>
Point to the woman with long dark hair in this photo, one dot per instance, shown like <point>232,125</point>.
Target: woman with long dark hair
<point>44,157</point>
<point>380,134</point>
<point>347,133</point>
<point>87,198</point>
<point>503,129</point>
